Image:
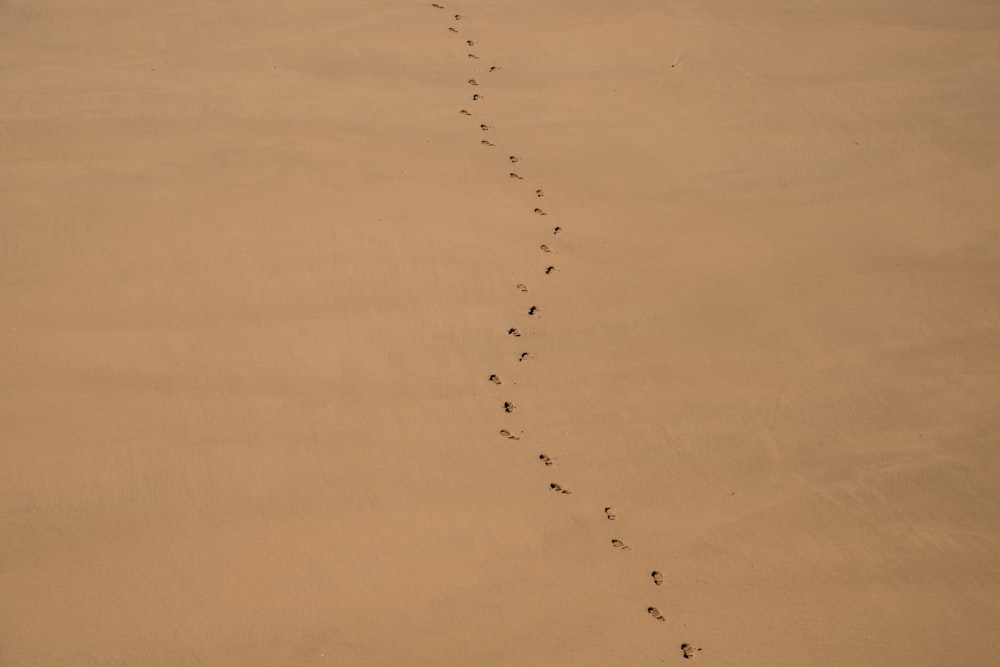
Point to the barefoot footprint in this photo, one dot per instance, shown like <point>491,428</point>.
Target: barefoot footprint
<point>513,332</point>
<point>545,459</point>
<point>657,578</point>
<point>655,613</point>
<point>495,379</point>
<point>688,651</point>
<point>522,287</point>
<point>509,407</point>
<point>549,270</point>
<point>610,513</point>
<point>540,211</point>
<point>507,434</point>
<point>534,310</point>
<point>559,489</point>
<point>525,356</point>
<point>618,544</point>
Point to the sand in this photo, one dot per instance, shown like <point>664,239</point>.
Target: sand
<point>257,268</point>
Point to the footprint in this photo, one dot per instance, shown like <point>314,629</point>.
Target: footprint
<point>515,159</point>
<point>539,193</point>
<point>557,231</point>
<point>476,97</point>
<point>509,407</point>
<point>657,578</point>
<point>473,56</point>
<point>487,143</point>
<point>485,128</point>
<point>458,17</point>
<point>655,613</point>
<point>540,211</point>
<point>610,513</point>
<point>618,544</point>
<point>688,651</point>
<point>494,68</point>
<point>534,310</point>
<point>452,30</point>
<point>556,487</point>
<point>437,6</point>
<point>549,270</point>
<point>513,332</point>
<point>522,287</point>
<point>525,356</point>
<point>545,248</point>
<point>507,434</point>
<point>545,459</point>
<point>495,379</point>
<point>470,42</point>
<point>473,82</point>
<point>517,176</point>
<point>464,112</point>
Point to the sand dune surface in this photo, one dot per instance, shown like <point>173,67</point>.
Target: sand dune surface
<point>733,266</point>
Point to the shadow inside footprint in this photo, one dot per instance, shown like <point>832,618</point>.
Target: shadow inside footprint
<point>655,613</point>
<point>507,434</point>
<point>556,487</point>
<point>545,459</point>
<point>657,578</point>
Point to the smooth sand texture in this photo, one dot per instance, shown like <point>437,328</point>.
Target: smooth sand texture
<point>256,269</point>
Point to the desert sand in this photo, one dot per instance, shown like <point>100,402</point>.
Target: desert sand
<point>257,269</point>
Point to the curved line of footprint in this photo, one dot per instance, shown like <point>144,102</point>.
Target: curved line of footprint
<point>687,650</point>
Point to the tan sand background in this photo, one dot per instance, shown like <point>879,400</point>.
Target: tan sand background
<point>256,268</point>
